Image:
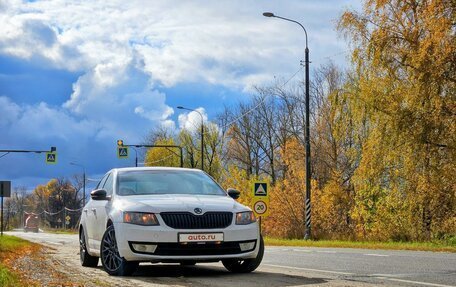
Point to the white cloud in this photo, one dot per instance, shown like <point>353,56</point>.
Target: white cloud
<point>118,91</point>
<point>191,121</point>
<point>221,42</point>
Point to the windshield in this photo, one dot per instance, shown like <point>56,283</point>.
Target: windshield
<point>143,182</point>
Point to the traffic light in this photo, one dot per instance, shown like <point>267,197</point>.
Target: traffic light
<point>120,142</point>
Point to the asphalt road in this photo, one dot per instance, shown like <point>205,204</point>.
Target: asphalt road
<point>290,266</point>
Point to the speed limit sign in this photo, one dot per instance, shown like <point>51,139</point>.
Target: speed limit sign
<point>260,207</point>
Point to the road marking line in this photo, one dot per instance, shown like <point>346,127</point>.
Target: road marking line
<point>379,255</point>
<point>309,269</point>
<point>325,251</point>
<point>302,250</point>
<point>414,282</point>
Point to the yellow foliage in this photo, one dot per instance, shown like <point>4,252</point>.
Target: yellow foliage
<point>405,70</point>
<point>287,197</point>
<point>163,156</point>
<point>331,211</point>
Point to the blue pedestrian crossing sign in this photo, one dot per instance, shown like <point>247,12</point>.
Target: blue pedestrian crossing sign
<point>122,152</point>
<point>51,157</point>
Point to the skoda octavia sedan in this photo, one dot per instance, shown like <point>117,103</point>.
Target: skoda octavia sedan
<point>166,215</point>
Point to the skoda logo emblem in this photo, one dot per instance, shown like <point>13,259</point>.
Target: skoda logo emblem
<point>198,210</point>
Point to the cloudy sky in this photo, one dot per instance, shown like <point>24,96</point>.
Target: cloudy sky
<point>79,75</point>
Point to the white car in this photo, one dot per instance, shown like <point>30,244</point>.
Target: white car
<point>166,215</point>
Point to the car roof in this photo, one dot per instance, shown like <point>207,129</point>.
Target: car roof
<point>156,168</point>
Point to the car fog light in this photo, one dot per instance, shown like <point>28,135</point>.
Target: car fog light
<point>247,245</point>
<point>146,248</point>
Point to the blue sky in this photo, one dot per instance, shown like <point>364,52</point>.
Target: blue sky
<point>79,75</point>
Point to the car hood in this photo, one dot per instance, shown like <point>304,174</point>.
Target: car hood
<point>178,203</point>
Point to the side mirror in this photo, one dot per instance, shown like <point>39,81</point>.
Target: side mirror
<point>99,194</point>
<point>233,193</point>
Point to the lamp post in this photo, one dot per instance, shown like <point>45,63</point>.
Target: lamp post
<point>307,130</point>
<point>84,181</point>
<point>202,133</point>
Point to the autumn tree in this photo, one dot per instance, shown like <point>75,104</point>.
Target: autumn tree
<point>405,63</point>
<point>288,196</point>
<point>190,141</point>
<point>163,156</point>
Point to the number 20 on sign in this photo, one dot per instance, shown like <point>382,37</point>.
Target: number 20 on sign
<point>260,199</point>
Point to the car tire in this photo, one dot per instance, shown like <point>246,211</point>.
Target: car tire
<point>245,265</point>
<point>113,264</point>
<point>87,260</point>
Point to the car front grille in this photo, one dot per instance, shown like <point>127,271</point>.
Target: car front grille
<point>187,220</point>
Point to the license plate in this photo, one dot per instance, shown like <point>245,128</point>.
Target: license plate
<point>200,237</point>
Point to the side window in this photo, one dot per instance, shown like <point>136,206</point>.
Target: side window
<point>108,185</point>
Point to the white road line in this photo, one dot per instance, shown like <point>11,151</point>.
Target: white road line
<point>326,251</point>
<point>54,243</point>
<point>301,250</point>
<point>379,255</point>
<point>414,282</point>
<point>309,269</point>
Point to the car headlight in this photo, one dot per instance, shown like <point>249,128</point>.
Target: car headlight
<point>243,218</point>
<point>140,218</point>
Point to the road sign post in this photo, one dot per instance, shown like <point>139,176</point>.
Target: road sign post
<point>260,203</point>
<point>260,199</point>
<point>5,191</point>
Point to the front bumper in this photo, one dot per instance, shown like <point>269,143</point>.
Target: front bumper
<point>169,249</point>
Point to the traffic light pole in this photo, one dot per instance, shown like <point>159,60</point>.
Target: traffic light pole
<point>53,149</point>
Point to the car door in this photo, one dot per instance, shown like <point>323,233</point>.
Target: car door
<point>102,209</point>
<point>91,218</point>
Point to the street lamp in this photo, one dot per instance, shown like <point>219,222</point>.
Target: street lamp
<point>84,181</point>
<point>202,133</point>
<point>307,131</point>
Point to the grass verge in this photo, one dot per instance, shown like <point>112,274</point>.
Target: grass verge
<point>417,246</point>
<point>10,246</point>
<point>61,231</point>
<point>7,278</point>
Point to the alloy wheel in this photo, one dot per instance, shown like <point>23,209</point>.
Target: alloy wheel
<point>110,254</point>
